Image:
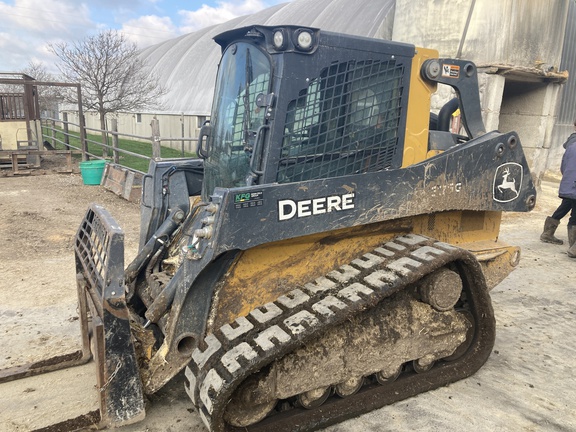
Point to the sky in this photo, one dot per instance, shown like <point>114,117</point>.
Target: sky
<point>28,27</point>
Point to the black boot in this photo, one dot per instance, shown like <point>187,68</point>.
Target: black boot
<point>550,226</point>
<point>572,241</point>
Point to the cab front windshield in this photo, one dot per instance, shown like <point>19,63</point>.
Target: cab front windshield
<point>243,75</point>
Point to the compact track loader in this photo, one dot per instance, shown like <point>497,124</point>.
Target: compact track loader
<point>331,251</point>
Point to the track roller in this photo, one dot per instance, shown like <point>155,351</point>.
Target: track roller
<point>385,377</point>
<point>314,398</point>
<point>349,387</point>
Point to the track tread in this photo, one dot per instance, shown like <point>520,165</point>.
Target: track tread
<point>269,332</point>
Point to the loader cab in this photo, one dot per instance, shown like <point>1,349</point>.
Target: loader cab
<point>293,104</point>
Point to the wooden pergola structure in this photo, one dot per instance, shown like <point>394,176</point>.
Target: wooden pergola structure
<point>20,118</point>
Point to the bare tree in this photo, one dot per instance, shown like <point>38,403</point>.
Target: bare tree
<point>38,71</point>
<point>48,97</point>
<point>35,70</point>
<point>112,76</point>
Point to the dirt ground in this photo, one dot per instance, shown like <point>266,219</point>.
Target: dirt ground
<point>526,385</point>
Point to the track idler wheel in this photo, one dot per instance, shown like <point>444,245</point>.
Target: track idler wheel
<point>385,377</point>
<point>349,387</point>
<point>314,398</point>
<point>241,415</point>
<point>441,289</point>
<point>244,410</point>
<point>420,366</point>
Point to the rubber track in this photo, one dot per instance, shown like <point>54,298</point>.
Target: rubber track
<point>266,334</point>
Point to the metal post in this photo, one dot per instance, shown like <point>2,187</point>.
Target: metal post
<point>53,132</point>
<point>155,138</point>
<point>66,131</point>
<point>104,135</point>
<point>182,121</point>
<point>29,116</point>
<point>115,154</point>
<point>82,123</point>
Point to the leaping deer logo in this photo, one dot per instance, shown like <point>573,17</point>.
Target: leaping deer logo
<point>507,184</point>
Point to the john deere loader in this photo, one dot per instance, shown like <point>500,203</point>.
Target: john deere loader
<point>330,251</point>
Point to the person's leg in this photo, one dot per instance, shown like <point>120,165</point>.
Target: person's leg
<point>552,222</point>
<point>572,230</point>
<point>562,210</point>
<point>572,219</point>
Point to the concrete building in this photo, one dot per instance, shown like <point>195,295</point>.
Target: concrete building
<point>517,44</point>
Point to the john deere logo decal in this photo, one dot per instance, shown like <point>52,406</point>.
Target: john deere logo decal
<point>288,209</point>
<point>507,181</point>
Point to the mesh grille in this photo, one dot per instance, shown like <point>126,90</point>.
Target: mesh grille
<point>345,122</point>
<point>99,249</point>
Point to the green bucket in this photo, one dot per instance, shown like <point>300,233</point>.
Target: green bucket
<point>92,171</point>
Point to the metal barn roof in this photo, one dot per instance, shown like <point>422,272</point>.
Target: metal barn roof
<point>187,65</point>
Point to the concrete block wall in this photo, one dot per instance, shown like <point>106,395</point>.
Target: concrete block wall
<point>518,34</point>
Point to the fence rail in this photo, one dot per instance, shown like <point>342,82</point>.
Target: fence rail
<point>131,151</point>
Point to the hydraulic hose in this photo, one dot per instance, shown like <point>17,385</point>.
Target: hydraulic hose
<point>163,232</point>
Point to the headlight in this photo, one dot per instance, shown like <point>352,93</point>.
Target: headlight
<point>304,39</point>
<point>278,40</point>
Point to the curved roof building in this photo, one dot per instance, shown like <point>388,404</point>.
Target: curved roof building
<point>187,65</point>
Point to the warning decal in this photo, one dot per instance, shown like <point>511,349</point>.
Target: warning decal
<point>450,71</point>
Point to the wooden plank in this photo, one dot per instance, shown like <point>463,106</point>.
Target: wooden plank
<point>12,156</point>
